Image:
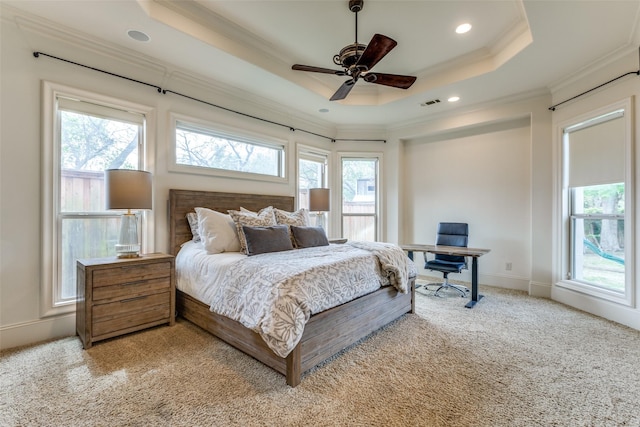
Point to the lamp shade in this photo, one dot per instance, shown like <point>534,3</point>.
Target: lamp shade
<point>127,189</point>
<point>319,199</point>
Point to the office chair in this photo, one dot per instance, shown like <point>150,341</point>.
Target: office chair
<point>449,234</point>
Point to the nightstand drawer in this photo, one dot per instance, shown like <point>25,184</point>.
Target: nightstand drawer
<point>131,289</point>
<point>128,323</point>
<point>131,273</point>
<point>130,312</point>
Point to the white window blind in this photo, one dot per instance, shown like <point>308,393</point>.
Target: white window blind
<point>596,153</point>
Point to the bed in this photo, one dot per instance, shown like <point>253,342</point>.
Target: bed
<point>325,334</point>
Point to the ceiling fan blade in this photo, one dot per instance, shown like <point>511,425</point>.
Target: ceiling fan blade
<point>394,80</point>
<point>343,90</point>
<point>377,48</point>
<point>299,67</point>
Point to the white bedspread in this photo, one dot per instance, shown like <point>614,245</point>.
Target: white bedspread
<point>274,294</point>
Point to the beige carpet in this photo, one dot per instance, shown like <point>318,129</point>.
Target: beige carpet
<point>511,361</point>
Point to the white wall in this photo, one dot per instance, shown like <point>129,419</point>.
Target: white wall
<point>481,176</point>
<point>499,157</point>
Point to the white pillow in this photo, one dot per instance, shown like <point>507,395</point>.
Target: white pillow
<point>217,231</point>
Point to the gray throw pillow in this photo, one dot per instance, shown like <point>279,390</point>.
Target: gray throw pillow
<point>308,237</point>
<point>262,240</point>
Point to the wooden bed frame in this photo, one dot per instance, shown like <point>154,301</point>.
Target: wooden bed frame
<point>325,334</point>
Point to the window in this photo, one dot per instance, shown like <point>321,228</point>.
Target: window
<point>86,138</point>
<point>595,165</point>
<point>360,197</point>
<point>597,236</point>
<point>312,173</point>
<point>209,149</point>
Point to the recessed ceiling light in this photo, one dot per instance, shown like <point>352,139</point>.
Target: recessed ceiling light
<point>138,36</point>
<point>454,99</point>
<point>463,28</point>
<point>324,110</point>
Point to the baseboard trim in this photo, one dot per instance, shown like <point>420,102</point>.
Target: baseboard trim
<point>506,282</point>
<point>539,289</point>
<point>37,330</point>
<point>599,307</point>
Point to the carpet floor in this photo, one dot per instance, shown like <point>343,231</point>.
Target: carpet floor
<point>513,360</point>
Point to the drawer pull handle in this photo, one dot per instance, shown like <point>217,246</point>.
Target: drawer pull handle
<point>133,299</point>
<point>137,282</point>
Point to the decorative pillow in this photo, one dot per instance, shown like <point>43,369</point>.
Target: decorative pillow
<point>259,212</point>
<point>264,218</point>
<point>217,231</point>
<point>299,218</point>
<point>192,218</point>
<point>261,240</point>
<point>308,237</point>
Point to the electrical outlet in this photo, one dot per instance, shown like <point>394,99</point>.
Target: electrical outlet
<point>508,266</point>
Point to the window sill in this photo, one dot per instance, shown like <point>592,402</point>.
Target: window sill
<point>594,291</point>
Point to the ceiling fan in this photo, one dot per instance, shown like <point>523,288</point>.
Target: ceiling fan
<point>358,60</point>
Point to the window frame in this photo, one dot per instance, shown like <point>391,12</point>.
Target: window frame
<point>313,154</point>
<point>378,215</point>
<point>51,223</point>
<point>236,134</point>
<point>565,223</point>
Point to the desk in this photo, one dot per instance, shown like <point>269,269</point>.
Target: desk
<point>474,253</point>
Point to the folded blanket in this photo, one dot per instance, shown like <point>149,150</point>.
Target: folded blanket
<point>393,261</point>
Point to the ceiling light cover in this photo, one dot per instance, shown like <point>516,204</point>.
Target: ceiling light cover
<point>463,28</point>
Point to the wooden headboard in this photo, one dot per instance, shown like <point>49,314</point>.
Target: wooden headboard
<point>182,202</point>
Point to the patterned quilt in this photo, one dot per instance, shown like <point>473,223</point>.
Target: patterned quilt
<point>274,294</point>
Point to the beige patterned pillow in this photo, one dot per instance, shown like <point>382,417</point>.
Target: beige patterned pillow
<point>264,218</point>
<point>299,218</point>
<point>192,218</point>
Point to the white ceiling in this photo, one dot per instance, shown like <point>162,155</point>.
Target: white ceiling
<point>515,47</point>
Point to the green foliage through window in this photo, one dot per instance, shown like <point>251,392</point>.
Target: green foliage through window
<point>196,146</point>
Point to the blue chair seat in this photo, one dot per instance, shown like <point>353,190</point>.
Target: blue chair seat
<point>448,266</point>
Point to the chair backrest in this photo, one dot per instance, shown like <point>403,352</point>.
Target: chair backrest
<point>452,234</point>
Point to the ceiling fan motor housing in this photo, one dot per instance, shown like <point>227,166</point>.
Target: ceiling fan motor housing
<point>349,55</point>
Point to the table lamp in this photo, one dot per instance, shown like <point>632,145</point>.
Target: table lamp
<point>319,203</point>
<point>128,189</point>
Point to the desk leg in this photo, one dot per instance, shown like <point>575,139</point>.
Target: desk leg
<point>474,284</point>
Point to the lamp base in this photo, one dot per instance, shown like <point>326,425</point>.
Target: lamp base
<point>320,220</point>
<point>128,245</point>
<point>125,253</point>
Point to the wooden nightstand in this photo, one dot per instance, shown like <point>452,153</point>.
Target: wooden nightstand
<point>116,296</point>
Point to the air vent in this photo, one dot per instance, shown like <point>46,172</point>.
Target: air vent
<point>427,103</point>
